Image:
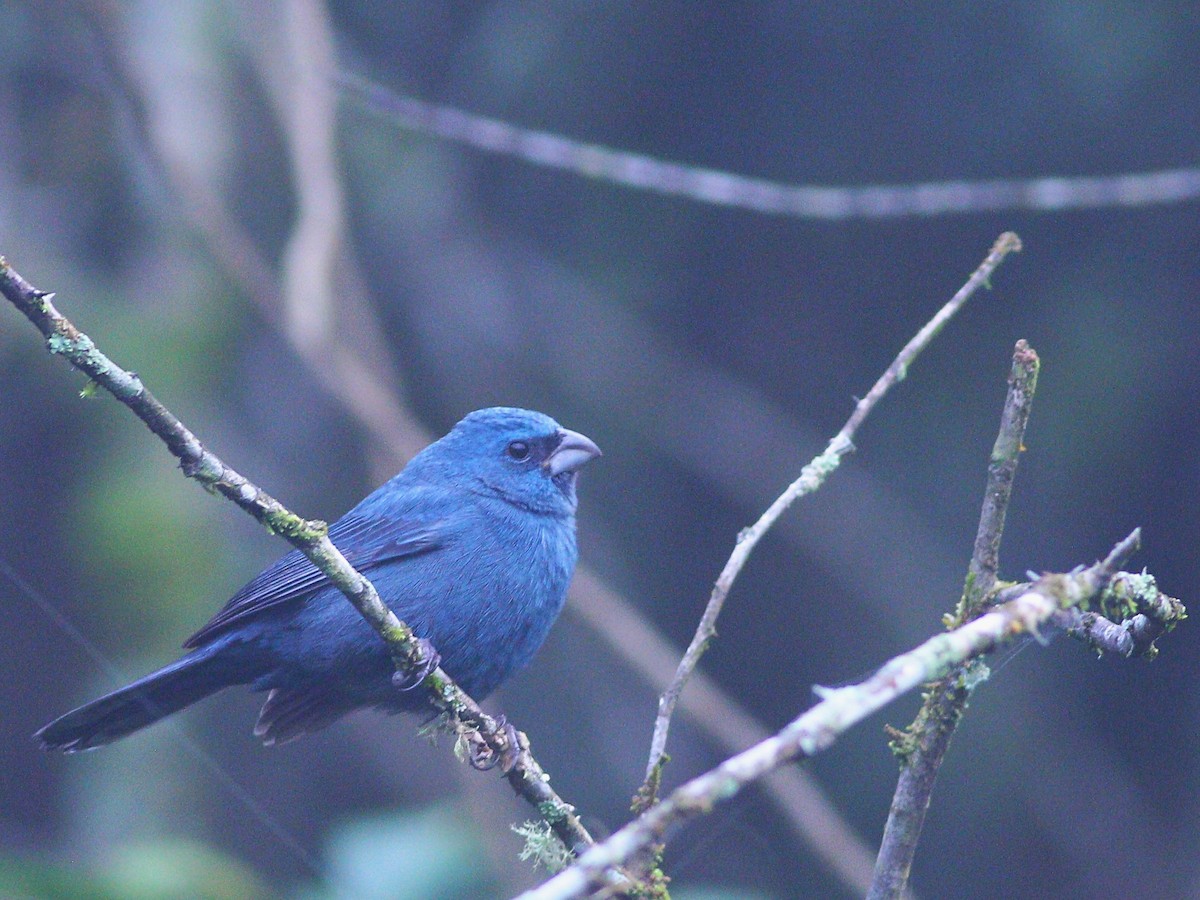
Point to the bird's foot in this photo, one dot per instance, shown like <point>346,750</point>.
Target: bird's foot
<point>427,660</point>
<point>484,757</point>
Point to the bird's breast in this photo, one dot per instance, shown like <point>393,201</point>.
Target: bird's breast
<point>496,610</point>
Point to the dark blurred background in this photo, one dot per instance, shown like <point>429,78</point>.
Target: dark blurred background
<point>174,173</point>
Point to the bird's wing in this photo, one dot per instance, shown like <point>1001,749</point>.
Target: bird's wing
<point>365,541</point>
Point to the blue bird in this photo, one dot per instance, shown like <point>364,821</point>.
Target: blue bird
<point>472,544</point>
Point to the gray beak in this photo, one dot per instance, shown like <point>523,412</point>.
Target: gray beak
<point>573,450</point>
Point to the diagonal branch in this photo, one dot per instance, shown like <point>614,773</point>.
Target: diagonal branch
<point>812,476</point>
<point>924,745</point>
<point>308,536</point>
<point>839,709</point>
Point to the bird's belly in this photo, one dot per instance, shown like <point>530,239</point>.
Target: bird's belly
<point>484,629</point>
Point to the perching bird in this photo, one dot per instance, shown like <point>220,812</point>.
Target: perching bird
<point>472,544</point>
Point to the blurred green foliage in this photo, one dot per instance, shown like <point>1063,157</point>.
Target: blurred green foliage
<point>428,854</point>
<point>164,870</point>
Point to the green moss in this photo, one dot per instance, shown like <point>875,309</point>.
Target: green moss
<point>286,523</point>
<point>653,886</point>
<point>647,794</point>
<point>553,812</point>
<point>60,344</point>
<point>955,619</point>
<point>543,846</point>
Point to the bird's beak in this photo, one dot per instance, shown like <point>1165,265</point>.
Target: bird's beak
<point>573,450</point>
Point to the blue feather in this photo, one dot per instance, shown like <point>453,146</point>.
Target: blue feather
<point>472,544</point>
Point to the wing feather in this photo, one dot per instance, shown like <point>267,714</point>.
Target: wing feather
<point>365,541</point>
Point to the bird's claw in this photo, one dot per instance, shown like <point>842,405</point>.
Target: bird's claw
<point>427,660</point>
<point>483,757</point>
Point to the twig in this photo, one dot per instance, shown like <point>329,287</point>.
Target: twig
<point>820,202</point>
<point>839,709</point>
<point>812,476</point>
<point>1146,615</point>
<point>308,536</point>
<point>1002,470</point>
<point>923,746</point>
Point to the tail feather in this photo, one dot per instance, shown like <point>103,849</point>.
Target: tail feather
<point>288,715</point>
<point>142,703</point>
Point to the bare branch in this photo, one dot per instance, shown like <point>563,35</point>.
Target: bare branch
<point>641,172</point>
<point>812,476</point>
<point>306,106</point>
<point>839,709</point>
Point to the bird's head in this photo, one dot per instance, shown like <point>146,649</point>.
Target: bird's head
<point>518,455</point>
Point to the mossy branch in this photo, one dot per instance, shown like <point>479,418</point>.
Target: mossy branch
<point>923,745</point>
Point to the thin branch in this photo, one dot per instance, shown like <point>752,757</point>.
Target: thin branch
<point>825,203</point>
<point>1002,470</point>
<point>308,536</point>
<point>812,476</point>
<point>924,745</point>
<point>839,709</point>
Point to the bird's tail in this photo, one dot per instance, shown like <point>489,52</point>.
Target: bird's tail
<point>170,689</point>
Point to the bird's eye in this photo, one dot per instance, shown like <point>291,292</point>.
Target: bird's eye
<point>518,450</point>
